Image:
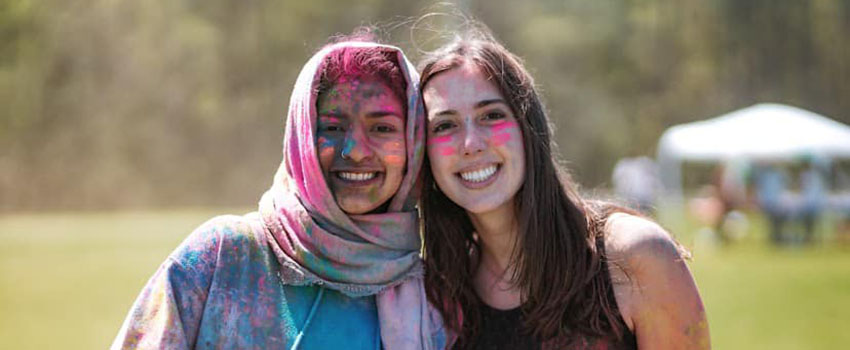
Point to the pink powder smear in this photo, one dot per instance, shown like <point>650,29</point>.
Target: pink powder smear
<point>501,139</point>
<point>326,152</point>
<point>440,139</point>
<point>394,159</point>
<point>394,146</point>
<point>501,126</point>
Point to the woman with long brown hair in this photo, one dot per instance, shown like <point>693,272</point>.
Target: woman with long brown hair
<point>515,257</point>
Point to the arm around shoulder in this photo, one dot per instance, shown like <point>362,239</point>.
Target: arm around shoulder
<point>655,291</point>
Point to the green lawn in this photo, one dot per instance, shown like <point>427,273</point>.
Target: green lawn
<point>67,281</point>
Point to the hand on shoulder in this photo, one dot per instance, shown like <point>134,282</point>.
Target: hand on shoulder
<point>654,288</point>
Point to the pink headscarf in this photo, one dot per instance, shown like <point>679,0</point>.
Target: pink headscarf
<point>317,243</point>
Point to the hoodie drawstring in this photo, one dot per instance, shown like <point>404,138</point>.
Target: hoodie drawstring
<point>309,318</point>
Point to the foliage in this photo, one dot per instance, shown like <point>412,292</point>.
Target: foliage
<point>112,103</point>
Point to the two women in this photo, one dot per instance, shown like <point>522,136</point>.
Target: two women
<point>515,258</point>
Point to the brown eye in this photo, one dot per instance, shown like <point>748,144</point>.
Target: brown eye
<point>384,128</point>
<point>494,116</point>
<point>442,126</point>
<point>331,128</point>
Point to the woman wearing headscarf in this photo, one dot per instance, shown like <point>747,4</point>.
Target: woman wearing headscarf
<point>331,258</point>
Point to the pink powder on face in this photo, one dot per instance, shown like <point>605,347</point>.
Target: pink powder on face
<point>501,139</point>
<point>394,159</point>
<point>326,152</point>
<point>447,151</point>
<point>330,119</point>
<point>394,146</point>
<point>503,125</point>
<point>439,139</point>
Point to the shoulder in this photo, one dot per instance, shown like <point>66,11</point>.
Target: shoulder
<point>653,286</point>
<point>640,242</point>
<point>642,255</point>
<point>202,249</point>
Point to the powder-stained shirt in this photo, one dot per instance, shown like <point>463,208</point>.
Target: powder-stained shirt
<point>220,289</point>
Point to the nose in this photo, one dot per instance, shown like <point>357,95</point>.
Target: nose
<point>473,141</point>
<point>356,147</point>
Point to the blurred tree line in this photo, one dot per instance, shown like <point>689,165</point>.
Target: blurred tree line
<point>111,103</point>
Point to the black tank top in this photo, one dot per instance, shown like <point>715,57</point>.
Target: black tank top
<point>502,329</point>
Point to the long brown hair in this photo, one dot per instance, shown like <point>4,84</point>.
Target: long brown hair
<point>558,256</point>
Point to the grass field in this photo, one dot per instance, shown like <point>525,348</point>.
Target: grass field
<point>67,281</point>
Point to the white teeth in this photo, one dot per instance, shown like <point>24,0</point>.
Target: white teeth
<point>356,176</point>
<point>479,175</point>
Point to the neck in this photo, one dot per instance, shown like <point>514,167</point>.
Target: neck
<point>497,233</point>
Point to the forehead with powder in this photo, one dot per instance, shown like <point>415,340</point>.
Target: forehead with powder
<point>373,63</point>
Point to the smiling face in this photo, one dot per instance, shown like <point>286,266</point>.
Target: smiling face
<point>474,142</point>
<point>361,144</point>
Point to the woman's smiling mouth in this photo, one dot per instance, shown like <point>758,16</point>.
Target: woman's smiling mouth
<point>357,178</point>
<point>480,177</point>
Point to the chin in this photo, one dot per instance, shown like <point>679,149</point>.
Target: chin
<point>482,205</point>
<point>355,209</point>
<point>358,206</point>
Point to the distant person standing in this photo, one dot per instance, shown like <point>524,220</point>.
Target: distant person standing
<point>731,191</point>
<point>636,181</point>
<point>771,184</point>
<point>813,196</point>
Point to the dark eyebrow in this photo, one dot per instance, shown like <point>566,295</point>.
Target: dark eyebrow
<point>445,112</point>
<point>485,103</point>
<point>336,113</point>
<point>381,114</point>
<point>480,104</point>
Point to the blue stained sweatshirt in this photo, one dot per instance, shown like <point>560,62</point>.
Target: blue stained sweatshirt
<point>220,289</point>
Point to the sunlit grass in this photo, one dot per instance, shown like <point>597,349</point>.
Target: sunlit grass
<point>759,296</point>
<point>68,280</point>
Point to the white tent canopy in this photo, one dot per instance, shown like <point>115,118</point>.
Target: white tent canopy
<point>763,131</point>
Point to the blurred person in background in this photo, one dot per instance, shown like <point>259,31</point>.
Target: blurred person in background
<point>813,193</point>
<point>515,257</point>
<point>636,181</point>
<point>731,189</point>
<point>331,258</point>
<point>771,188</point>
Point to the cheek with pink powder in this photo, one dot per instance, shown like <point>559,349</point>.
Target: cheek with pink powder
<point>442,145</point>
<point>393,152</point>
<point>446,151</point>
<point>394,159</point>
<point>439,140</point>
<point>500,134</point>
<point>501,139</point>
<point>326,147</point>
<point>503,132</point>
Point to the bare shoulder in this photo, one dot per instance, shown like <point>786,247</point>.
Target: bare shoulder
<point>639,243</point>
<point>656,293</point>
